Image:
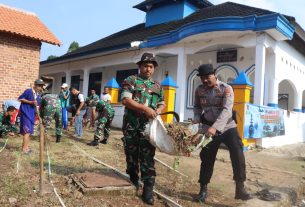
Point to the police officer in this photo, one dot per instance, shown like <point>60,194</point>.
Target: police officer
<point>50,108</point>
<point>6,125</point>
<point>105,116</point>
<point>213,107</point>
<point>143,100</point>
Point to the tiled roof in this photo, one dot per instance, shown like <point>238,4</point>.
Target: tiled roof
<point>139,32</point>
<point>25,24</point>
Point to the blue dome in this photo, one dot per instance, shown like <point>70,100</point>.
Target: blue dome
<point>112,84</point>
<point>169,82</point>
<point>242,79</point>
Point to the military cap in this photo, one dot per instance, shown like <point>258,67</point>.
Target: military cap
<point>148,57</point>
<point>39,82</point>
<point>205,69</point>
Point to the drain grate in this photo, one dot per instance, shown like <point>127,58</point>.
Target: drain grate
<point>108,182</point>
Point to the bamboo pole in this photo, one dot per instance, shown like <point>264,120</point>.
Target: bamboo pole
<point>165,165</point>
<point>169,167</point>
<point>41,145</point>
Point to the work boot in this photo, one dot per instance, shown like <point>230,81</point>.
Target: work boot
<point>104,141</point>
<point>93,143</point>
<point>240,192</point>
<point>202,195</point>
<point>134,178</point>
<point>58,137</point>
<point>147,195</point>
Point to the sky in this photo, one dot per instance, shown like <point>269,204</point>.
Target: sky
<point>88,21</point>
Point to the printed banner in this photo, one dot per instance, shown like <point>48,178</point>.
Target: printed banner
<point>262,121</point>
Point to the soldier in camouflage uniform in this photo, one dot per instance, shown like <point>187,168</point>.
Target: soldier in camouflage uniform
<point>6,125</point>
<point>93,99</point>
<point>50,108</point>
<point>143,100</point>
<point>213,107</point>
<point>105,116</point>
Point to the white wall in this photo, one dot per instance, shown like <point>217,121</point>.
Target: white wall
<point>246,58</point>
<point>57,83</point>
<point>291,65</point>
<point>118,117</point>
<point>294,131</point>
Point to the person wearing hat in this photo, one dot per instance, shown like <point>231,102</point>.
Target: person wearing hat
<point>27,112</point>
<point>64,96</point>
<point>213,108</point>
<point>143,100</point>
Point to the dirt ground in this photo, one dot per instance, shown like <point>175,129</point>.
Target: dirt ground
<point>280,170</point>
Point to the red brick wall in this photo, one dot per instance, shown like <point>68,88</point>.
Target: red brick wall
<point>19,64</point>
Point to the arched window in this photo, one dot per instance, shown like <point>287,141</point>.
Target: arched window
<point>250,72</point>
<point>192,83</point>
<point>303,101</point>
<point>287,93</point>
<point>226,73</point>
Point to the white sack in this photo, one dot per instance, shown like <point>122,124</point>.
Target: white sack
<point>158,137</point>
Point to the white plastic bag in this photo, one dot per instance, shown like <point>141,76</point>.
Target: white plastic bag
<point>193,128</point>
<point>158,137</point>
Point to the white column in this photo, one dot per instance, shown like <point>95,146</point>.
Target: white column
<point>86,82</point>
<point>297,103</point>
<point>181,82</point>
<point>273,93</point>
<point>68,77</point>
<point>53,85</point>
<point>260,59</point>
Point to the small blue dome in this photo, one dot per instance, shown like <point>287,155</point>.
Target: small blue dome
<point>112,84</point>
<point>169,82</point>
<point>242,79</point>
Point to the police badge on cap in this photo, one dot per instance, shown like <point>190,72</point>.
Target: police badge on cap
<point>148,57</point>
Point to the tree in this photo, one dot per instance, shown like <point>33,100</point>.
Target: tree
<point>51,57</point>
<point>73,46</point>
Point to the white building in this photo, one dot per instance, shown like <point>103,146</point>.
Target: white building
<point>268,46</point>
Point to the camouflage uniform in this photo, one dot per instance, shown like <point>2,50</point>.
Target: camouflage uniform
<point>94,100</point>
<point>50,108</point>
<point>92,106</point>
<point>138,149</point>
<point>6,125</point>
<point>105,116</point>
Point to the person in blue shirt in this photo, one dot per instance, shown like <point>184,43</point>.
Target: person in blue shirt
<point>28,112</point>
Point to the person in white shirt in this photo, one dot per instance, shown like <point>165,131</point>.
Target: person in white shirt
<point>105,96</point>
<point>80,112</point>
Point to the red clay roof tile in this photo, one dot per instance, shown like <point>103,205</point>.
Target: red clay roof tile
<point>25,24</point>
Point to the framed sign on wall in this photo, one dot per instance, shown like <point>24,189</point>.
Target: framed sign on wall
<point>226,56</point>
